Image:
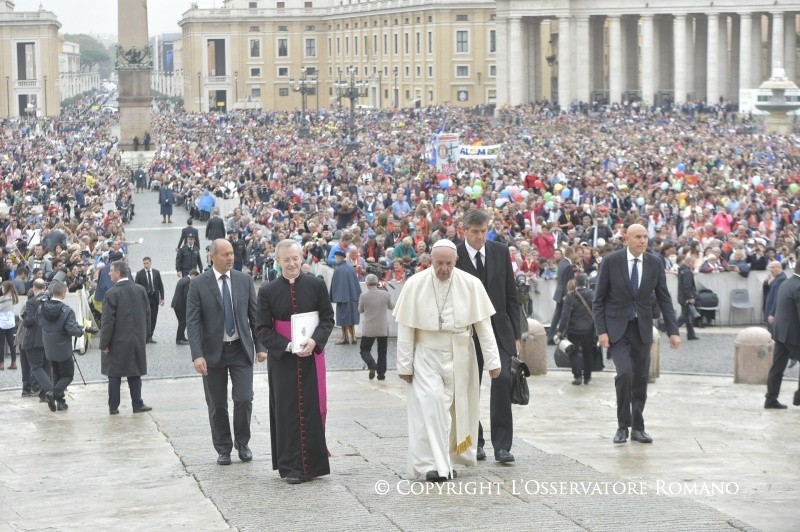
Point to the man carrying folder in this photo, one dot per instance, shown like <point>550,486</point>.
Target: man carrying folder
<point>296,369</point>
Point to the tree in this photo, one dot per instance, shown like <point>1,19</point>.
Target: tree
<point>93,53</point>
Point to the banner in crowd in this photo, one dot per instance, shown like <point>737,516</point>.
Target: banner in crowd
<point>444,152</point>
<point>479,152</point>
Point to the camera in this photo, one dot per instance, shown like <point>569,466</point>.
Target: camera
<point>44,296</point>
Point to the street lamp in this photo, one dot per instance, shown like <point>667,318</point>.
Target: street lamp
<point>236,87</point>
<point>396,91</point>
<point>352,90</point>
<point>304,85</point>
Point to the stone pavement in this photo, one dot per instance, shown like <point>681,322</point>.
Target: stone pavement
<point>719,462</point>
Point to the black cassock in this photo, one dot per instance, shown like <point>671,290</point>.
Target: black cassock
<point>297,434</point>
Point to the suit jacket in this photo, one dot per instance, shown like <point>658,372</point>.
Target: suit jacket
<point>502,290</point>
<point>772,295</point>
<point>374,304</point>
<point>215,228</point>
<point>613,299</point>
<point>787,314</point>
<point>186,232</point>
<point>188,259</point>
<point>205,321</point>
<point>566,272</point>
<point>181,293</point>
<point>124,329</point>
<point>686,286</point>
<point>158,286</point>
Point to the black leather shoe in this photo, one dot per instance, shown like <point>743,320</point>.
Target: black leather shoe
<point>224,459</point>
<point>641,436</point>
<point>587,380</point>
<point>371,373</point>
<point>503,456</point>
<point>577,381</point>
<point>796,400</point>
<point>621,436</point>
<point>143,408</point>
<point>294,480</point>
<point>61,406</point>
<point>181,342</point>
<point>481,454</point>
<point>51,401</point>
<point>770,403</point>
<point>692,337</point>
<point>113,412</point>
<point>433,476</point>
<point>245,454</point>
<point>381,377</point>
<point>27,393</point>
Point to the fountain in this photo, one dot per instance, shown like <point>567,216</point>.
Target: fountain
<point>778,122</point>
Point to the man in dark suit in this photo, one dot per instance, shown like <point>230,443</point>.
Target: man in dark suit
<point>220,321</point>
<point>491,263</point>
<point>179,306</point>
<point>188,258</point>
<point>215,227</point>
<point>786,334</point>
<point>623,319</point>
<point>566,272</point>
<point>150,279</point>
<point>123,332</point>
<point>187,231</point>
<point>687,291</point>
<point>770,302</point>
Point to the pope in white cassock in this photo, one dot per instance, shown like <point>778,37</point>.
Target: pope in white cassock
<point>436,313</point>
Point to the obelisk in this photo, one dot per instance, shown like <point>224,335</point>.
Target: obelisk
<point>134,63</point>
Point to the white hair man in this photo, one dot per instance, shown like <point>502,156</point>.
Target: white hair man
<point>436,357</point>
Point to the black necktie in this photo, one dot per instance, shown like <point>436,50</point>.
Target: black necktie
<point>634,284</point>
<point>227,305</point>
<point>149,282</point>
<point>480,268</point>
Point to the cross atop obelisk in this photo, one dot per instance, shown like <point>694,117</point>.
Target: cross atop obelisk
<point>134,63</point>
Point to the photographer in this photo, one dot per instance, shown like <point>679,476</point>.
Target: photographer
<point>58,328</point>
<point>577,323</point>
<point>374,305</point>
<point>686,293</point>
<point>32,343</point>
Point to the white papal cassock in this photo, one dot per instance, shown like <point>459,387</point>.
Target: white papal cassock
<point>443,397</point>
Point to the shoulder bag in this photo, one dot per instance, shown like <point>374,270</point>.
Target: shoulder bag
<point>520,395</point>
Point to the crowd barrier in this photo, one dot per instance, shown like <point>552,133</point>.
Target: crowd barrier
<point>543,304</point>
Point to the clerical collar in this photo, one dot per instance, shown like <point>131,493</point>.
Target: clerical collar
<point>290,280</point>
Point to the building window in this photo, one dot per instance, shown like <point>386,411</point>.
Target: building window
<point>408,71</point>
<point>405,43</point>
<point>462,42</point>
<point>492,41</point>
<point>491,96</point>
<point>255,29</point>
<point>430,95</point>
<point>462,18</point>
<point>462,71</point>
<point>338,45</point>
<point>255,72</point>
<point>375,44</point>
<point>283,72</point>
<point>385,44</point>
<point>281,6</point>
<point>430,42</point>
<point>255,92</point>
<point>355,45</point>
<point>284,91</point>
<point>309,5</point>
<point>408,94</point>
<point>329,45</point>
<point>283,28</point>
<point>252,5</point>
<point>419,71</point>
<point>283,47</point>
<point>419,43</point>
<point>347,45</point>
<point>430,71</point>
<point>255,48</point>
<point>396,41</point>
<point>311,48</point>
<point>311,28</point>
<point>492,71</point>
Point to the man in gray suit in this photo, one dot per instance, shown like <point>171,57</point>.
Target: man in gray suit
<point>566,272</point>
<point>786,334</point>
<point>623,320</point>
<point>220,321</point>
<point>373,304</point>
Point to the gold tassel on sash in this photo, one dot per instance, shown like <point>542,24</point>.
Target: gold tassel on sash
<point>464,445</point>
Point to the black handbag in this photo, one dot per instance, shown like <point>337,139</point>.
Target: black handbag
<point>562,359</point>
<point>520,395</point>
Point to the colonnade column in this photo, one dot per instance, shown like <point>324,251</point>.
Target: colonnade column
<point>504,51</point>
<point>777,42</point>
<point>614,59</point>
<point>582,80</point>
<point>679,29</point>
<point>515,86</point>
<point>564,63</point>
<point>712,62</point>
<point>745,51</point>
<point>648,58</point>
<point>789,47</point>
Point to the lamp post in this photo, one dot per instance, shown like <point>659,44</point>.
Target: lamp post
<point>352,90</point>
<point>304,85</point>
<point>396,91</point>
<point>236,87</point>
<point>45,95</point>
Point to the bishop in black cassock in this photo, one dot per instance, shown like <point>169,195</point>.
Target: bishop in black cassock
<point>296,399</point>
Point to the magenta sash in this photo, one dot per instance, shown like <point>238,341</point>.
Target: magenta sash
<point>284,328</point>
